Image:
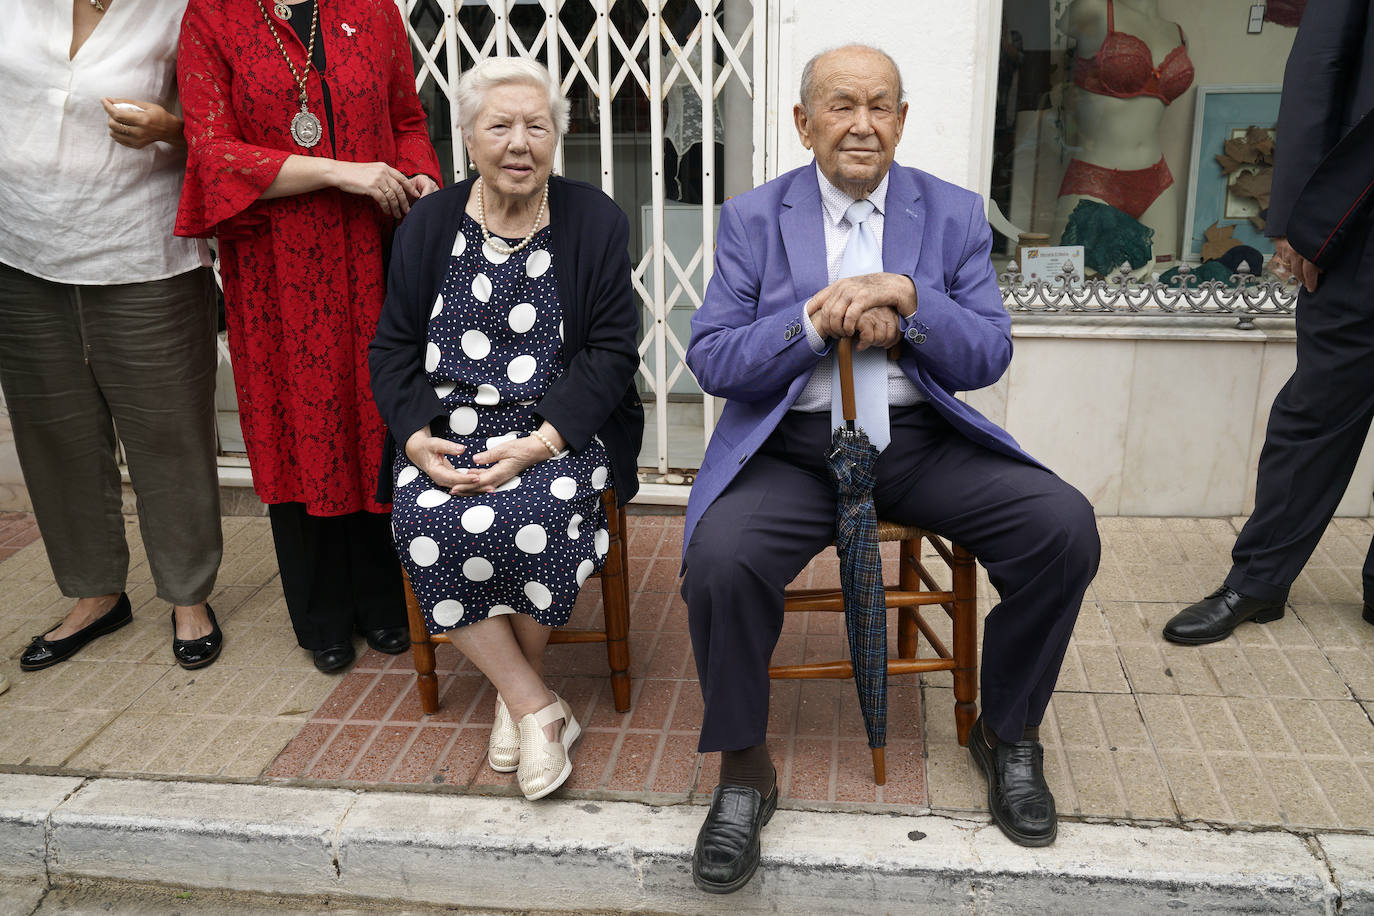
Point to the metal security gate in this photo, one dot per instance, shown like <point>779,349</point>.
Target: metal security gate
<point>650,81</point>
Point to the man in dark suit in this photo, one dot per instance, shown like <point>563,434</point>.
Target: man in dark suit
<point>854,245</point>
<point>1320,217</point>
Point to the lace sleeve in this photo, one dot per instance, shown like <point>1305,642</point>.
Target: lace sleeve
<point>414,152</point>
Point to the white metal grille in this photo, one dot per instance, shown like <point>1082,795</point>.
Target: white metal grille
<point>619,56</point>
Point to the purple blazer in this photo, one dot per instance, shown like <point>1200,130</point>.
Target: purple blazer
<point>747,342</point>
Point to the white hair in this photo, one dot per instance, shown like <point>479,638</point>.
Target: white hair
<point>503,71</point>
<point>808,77</point>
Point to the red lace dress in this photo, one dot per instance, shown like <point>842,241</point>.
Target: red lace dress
<point>303,278</point>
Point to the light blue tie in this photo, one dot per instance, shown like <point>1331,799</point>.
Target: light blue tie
<point>863,256</point>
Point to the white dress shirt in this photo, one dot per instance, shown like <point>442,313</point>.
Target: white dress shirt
<point>834,202</point>
<point>76,207</point>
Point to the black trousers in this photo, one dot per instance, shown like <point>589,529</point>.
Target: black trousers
<point>339,573</point>
<point>1316,430</point>
<point>1035,534</point>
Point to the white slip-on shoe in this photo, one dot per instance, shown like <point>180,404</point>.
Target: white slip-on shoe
<point>503,747</point>
<point>545,765</point>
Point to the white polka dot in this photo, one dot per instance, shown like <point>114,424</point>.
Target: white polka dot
<point>477,519</point>
<point>407,475</point>
<point>431,357</point>
<point>459,244</point>
<point>444,389</point>
<point>424,551</point>
<point>509,484</point>
<point>463,421</point>
<point>438,305</point>
<point>599,478</point>
<point>573,526</point>
<point>481,287</point>
<point>560,330</point>
<point>477,569</point>
<point>531,539</point>
<point>487,396</point>
<point>497,440</point>
<point>602,541</point>
<point>520,369</point>
<point>537,263</point>
<point>431,498</point>
<point>522,317</point>
<point>564,488</point>
<point>447,613</point>
<point>498,609</point>
<point>492,255</point>
<point>539,595</point>
<point>584,569</point>
<point>475,344</point>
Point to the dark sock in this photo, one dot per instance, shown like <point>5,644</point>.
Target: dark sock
<point>750,767</point>
<point>1032,733</point>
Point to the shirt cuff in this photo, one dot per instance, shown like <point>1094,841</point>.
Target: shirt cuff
<point>817,342</point>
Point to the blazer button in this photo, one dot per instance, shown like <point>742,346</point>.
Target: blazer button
<point>787,334</point>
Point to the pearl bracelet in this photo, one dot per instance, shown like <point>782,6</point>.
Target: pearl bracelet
<point>553,452</point>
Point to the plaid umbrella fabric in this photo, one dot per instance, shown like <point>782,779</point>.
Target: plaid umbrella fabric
<point>852,461</point>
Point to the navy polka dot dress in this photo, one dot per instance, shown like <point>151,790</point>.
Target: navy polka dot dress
<point>495,346</point>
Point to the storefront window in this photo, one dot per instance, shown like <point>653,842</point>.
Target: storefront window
<point>1137,132</point>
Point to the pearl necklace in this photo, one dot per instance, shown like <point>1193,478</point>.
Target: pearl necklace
<point>496,244</point>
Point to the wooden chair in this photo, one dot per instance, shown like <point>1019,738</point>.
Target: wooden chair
<point>916,587</point>
<point>615,603</point>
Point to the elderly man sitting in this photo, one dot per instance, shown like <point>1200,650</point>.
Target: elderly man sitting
<point>854,245</point>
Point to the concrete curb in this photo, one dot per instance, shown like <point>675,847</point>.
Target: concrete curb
<point>502,853</point>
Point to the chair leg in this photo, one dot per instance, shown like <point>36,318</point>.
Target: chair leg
<point>420,644</point>
<point>615,602</point>
<point>909,579</point>
<point>965,581</point>
<point>880,765</point>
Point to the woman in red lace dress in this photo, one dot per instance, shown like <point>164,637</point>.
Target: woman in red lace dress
<point>307,143</point>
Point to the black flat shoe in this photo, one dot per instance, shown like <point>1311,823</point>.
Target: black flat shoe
<point>728,848</point>
<point>1019,799</point>
<point>391,640</point>
<point>197,653</point>
<point>1214,617</point>
<point>44,653</point>
<point>1368,614</point>
<point>335,658</point>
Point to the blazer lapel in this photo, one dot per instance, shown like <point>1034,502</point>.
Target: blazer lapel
<point>803,234</point>
<point>903,224</point>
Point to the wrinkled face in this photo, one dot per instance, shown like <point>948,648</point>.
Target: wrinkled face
<point>855,118</point>
<point>513,139</point>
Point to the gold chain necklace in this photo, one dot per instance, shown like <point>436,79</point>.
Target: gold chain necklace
<point>498,245</point>
<point>305,127</point>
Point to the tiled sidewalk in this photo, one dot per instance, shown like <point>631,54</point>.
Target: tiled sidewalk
<point>1270,727</point>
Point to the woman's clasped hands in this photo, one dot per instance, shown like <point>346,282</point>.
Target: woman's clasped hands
<point>501,463</point>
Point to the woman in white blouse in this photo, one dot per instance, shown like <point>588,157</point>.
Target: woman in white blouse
<point>106,319</point>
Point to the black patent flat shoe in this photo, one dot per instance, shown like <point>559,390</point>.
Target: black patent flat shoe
<point>391,640</point>
<point>44,653</point>
<point>1018,797</point>
<point>197,653</point>
<point>1213,618</point>
<point>334,658</point>
<point>728,848</point>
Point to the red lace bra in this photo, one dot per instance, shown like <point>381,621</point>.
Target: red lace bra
<point>1123,67</point>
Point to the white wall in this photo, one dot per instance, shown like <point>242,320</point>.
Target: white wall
<point>945,51</point>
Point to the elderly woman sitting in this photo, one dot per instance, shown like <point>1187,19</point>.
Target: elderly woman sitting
<point>503,366</point>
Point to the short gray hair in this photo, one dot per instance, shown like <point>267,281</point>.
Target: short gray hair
<point>808,76</point>
<point>503,71</point>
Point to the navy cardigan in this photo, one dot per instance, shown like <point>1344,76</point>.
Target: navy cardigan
<point>594,396</point>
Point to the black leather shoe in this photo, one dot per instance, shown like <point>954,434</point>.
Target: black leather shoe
<point>728,849</point>
<point>1019,799</point>
<point>391,640</point>
<point>1214,617</point>
<point>1368,614</point>
<point>335,658</point>
<point>44,653</point>
<point>197,653</point>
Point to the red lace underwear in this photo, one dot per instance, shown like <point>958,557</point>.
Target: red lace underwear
<point>1131,191</point>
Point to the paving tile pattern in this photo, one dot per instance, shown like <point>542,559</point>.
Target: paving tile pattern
<point>1272,726</point>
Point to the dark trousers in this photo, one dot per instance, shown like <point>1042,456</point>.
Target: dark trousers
<point>1317,428</point>
<point>339,573</point>
<point>1035,534</point>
